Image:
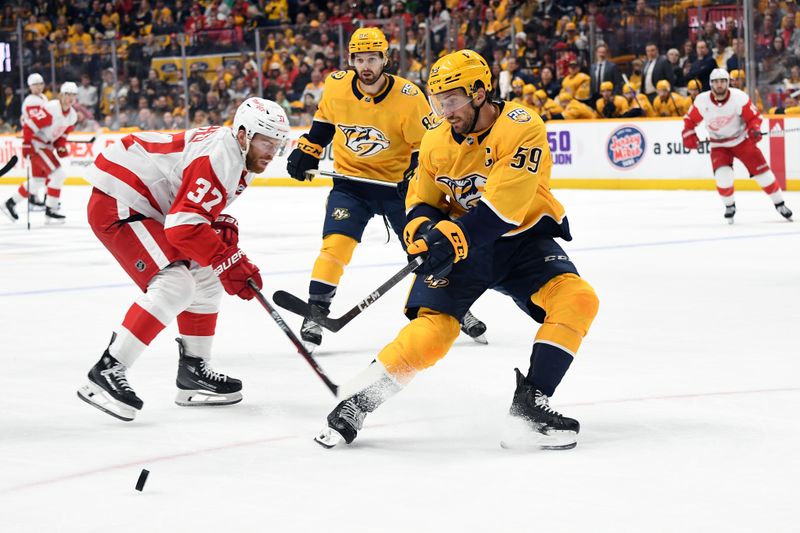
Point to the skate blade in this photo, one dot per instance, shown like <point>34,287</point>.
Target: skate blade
<point>97,397</point>
<point>329,438</point>
<point>480,339</point>
<point>204,398</point>
<point>730,220</point>
<point>309,346</point>
<point>519,435</point>
<point>7,213</point>
<point>50,221</point>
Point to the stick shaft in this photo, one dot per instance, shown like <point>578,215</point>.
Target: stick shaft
<point>297,343</point>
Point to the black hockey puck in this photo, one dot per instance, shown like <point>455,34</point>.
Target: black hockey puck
<point>142,479</point>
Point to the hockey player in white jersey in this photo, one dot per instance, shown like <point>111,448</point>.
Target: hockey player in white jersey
<point>44,143</point>
<point>734,129</point>
<point>157,207</point>
<point>35,100</point>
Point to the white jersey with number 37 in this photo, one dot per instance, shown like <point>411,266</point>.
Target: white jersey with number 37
<point>184,178</point>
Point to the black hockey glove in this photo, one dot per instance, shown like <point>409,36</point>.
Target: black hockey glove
<point>441,245</point>
<point>303,158</point>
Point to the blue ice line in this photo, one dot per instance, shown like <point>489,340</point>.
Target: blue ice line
<point>384,265</point>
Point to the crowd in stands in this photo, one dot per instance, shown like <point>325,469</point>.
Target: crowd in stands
<point>567,59</point>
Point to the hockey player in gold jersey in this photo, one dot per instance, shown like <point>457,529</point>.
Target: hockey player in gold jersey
<point>482,216</point>
<point>376,122</point>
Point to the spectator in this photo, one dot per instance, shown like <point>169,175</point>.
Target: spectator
<point>736,61</point>
<point>604,70</point>
<point>657,68</point>
<point>548,83</point>
<point>701,69</point>
<point>87,93</point>
<point>314,88</point>
<point>12,107</point>
<point>673,57</point>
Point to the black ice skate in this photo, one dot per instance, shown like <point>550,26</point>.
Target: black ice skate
<point>344,422</point>
<point>8,209</point>
<point>347,418</point>
<point>784,211</point>
<point>545,428</point>
<point>53,217</point>
<point>310,331</point>
<point>730,210</point>
<point>109,391</point>
<point>36,204</point>
<point>199,385</point>
<point>474,328</point>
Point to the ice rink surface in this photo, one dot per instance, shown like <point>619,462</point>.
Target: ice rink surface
<point>687,387</point>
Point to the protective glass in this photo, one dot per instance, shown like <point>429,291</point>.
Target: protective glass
<point>449,102</point>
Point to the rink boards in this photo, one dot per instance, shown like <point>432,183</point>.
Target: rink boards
<point>587,154</point>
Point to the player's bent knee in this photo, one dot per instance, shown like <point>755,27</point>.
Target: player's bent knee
<point>335,254</point>
<point>338,248</point>
<point>173,284</point>
<point>420,344</point>
<point>571,305</point>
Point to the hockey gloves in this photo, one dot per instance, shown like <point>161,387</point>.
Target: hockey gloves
<point>227,228</point>
<point>27,150</point>
<point>303,158</point>
<point>234,269</point>
<point>754,134</point>
<point>61,147</point>
<point>690,140</point>
<point>442,245</point>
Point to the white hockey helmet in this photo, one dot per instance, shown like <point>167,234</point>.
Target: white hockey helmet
<point>719,74</point>
<point>35,78</point>
<point>259,115</point>
<point>69,87</point>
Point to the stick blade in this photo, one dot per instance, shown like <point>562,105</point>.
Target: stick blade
<point>12,162</point>
<point>292,303</point>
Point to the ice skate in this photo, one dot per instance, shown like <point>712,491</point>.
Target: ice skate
<point>9,209</point>
<point>535,424</point>
<point>53,217</point>
<point>730,210</point>
<point>198,384</point>
<point>310,331</point>
<point>784,211</point>
<point>375,386</point>
<point>344,423</point>
<point>36,203</point>
<point>474,328</point>
<point>109,391</point>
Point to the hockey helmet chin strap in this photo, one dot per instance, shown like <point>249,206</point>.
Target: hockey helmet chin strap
<point>477,109</point>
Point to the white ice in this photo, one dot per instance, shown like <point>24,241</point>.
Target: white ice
<point>686,387</point>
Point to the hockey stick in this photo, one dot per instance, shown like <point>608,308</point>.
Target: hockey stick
<point>90,141</point>
<point>289,333</point>
<point>762,133</point>
<point>296,305</point>
<point>311,174</point>
<point>9,165</point>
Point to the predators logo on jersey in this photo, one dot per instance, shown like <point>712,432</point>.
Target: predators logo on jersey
<point>410,89</point>
<point>519,115</point>
<point>466,191</point>
<point>364,141</point>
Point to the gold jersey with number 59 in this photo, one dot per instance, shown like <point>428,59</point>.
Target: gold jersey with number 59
<point>374,136</point>
<point>507,167</point>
